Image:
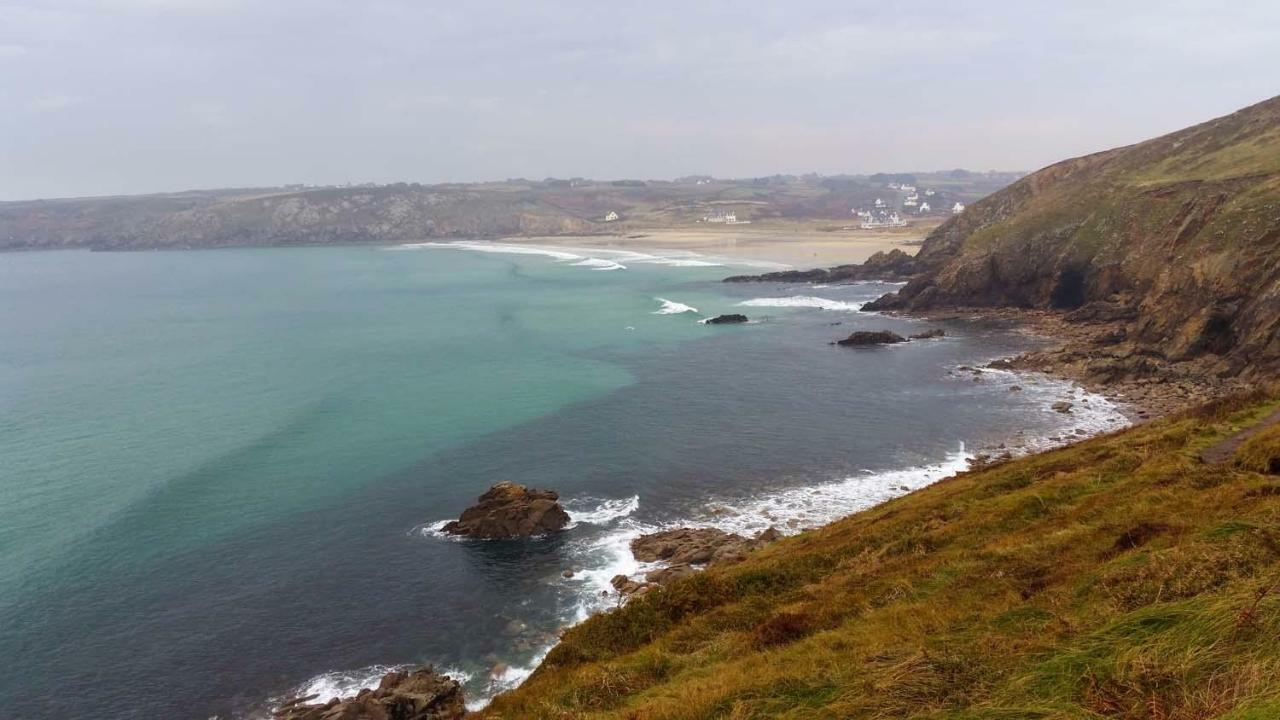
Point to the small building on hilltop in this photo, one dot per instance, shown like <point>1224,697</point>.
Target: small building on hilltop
<point>612,216</point>
<point>957,208</point>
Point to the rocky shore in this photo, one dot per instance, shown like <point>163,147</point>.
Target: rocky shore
<point>1095,352</point>
<point>683,550</point>
<point>419,694</point>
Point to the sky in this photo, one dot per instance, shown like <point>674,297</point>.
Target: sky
<point>130,96</point>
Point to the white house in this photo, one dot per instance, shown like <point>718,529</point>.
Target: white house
<point>924,208</point>
<point>879,203</point>
<point>907,188</point>
<point>910,202</point>
<point>611,216</point>
<point>957,208</point>
<point>928,193</point>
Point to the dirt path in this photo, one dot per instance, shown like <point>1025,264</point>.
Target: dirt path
<point>1224,450</point>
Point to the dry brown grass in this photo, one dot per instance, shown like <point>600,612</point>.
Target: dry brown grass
<point>1118,578</point>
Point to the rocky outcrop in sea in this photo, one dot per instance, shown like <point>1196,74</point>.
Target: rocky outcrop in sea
<point>419,694</point>
<point>508,510</point>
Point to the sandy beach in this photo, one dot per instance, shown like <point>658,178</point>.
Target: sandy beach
<point>798,244</point>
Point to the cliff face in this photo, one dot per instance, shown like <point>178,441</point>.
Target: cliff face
<point>1180,235</point>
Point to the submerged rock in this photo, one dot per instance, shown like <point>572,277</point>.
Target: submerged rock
<point>419,694</point>
<point>929,334</point>
<point>508,510</point>
<point>871,337</point>
<point>727,319</point>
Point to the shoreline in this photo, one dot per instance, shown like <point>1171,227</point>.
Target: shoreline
<point>1096,355</point>
<point>751,514</point>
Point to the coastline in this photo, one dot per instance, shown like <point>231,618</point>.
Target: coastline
<point>754,513</point>
<point>765,244</point>
<point>1094,355</point>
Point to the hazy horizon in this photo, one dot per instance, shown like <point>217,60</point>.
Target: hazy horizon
<point>112,97</point>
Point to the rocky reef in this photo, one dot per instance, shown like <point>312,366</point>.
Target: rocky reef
<point>894,265</point>
<point>419,694</point>
<point>864,338</point>
<point>681,550</point>
<point>729,319</point>
<point>508,510</point>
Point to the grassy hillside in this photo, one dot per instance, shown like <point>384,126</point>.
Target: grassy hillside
<point>403,212</point>
<point>1182,232</point>
<point>1122,577</point>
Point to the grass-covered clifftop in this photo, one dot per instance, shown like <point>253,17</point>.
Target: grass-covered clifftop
<point>1179,234</point>
<point>1122,577</point>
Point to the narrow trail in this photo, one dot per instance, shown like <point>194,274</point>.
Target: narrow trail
<point>1225,449</point>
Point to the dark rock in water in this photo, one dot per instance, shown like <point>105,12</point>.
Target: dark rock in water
<point>871,337</point>
<point>892,265</point>
<point>929,334</point>
<point>420,694</point>
<point>697,546</point>
<point>727,319</point>
<point>508,510</point>
<point>1061,406</point>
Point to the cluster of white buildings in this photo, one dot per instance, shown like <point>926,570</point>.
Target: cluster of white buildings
<point>724,218</point>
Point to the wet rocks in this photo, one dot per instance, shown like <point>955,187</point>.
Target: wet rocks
<point>419,694</point>
<point>929,334</point>
<point>729,319</point>
<point>508,510</point>
<point>1061,406</point>
<point>864,338</point>
<point>681,549</point>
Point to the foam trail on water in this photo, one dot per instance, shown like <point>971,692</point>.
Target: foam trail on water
<point>487,247</point>
<point>600,512</point>
<point>793,509</point>
<point>671,307</point>
<point>600,264</point>
<point>803,301</point>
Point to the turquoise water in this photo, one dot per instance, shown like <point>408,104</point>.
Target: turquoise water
<point>219,469</point>
<point>192,395</point>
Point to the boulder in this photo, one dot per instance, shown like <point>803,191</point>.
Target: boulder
<point>727,319</point>
<point>419,694</point>
<point>871,337</point>
<point>929,334</point>
<point>1061,406</point>
<point>508,510</point>
<point>697,546</point>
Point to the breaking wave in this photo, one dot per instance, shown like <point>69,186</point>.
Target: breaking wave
<point>670,307</point>
<point>803,301</point>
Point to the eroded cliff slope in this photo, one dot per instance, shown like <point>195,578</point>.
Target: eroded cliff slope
<point>1179,236</point>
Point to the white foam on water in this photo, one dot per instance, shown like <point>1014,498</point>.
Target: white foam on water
<point>598,511</point>
<point>793,509</point>
<point>671,307</point>
<point>600,264</point>
<point>803,301</point>
<point>348,683</point>
<point>489,247</point>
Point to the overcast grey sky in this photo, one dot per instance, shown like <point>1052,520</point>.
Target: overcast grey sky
<point>125,96</point>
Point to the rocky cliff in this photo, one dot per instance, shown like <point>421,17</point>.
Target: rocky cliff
<point>1177,239</point>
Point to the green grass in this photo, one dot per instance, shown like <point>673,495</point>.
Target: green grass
<point>1117,578</point>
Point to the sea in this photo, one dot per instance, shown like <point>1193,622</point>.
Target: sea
<point>223,472</point>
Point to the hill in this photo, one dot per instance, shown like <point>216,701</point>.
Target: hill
<point>1176,240</point>
<point>1123,577</point>
<point>408,212</point>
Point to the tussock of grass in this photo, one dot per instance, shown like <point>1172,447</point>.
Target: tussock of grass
<point>1261,453</point>
<point>1118,578</point>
